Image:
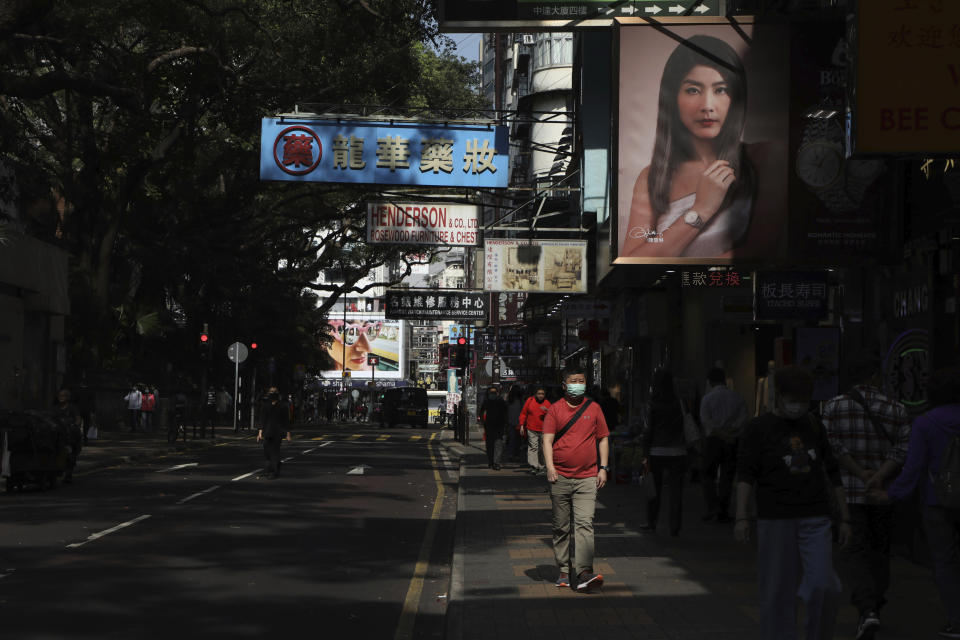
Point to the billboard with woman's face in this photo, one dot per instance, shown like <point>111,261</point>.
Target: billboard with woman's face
<point>702,132</point>
<point>356,338</point>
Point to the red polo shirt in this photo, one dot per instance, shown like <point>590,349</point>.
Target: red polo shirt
<point>575,454</point>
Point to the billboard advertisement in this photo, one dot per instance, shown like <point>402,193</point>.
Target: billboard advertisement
<point>455,225</point>
<point>399,152</point>
<point>360,335</point>
<point>553,266</point>
<point>702,143</point>
<point>907,77</point>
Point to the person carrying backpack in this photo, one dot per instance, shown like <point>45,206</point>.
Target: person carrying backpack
<point>933,459</point>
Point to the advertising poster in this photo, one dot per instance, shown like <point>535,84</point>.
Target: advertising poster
<point>456,225</point>
<point>841,206</point>
<point>543,265</point>
<point>357,337</point>
<point>702,138</point>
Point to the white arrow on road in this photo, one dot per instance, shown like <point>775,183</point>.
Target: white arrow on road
<point>630,9</point>
<point>655,9</point>
<point>359,470</point>
<point>179,466</point>
<point>677,8</point>
<point>702,8</point>
<point>608,11</point>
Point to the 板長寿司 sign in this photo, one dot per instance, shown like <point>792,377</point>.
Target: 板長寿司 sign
<point>362,152</point>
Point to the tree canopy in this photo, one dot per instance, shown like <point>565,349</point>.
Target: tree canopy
<point>132,128</point>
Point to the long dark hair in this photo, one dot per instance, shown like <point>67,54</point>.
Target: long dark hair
<point>673,143</point>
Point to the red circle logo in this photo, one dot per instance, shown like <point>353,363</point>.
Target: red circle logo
<point>297,150</point>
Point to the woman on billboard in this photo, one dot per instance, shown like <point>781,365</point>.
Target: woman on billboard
<point>351,343</point>
<point>705,191</point>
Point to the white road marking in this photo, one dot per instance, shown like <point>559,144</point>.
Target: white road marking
<point>198,494</point>
<point>325,444</point>
<point>287,459</point>
<point>448,465</point>
<point>359,470</point>
<point>309,450</point>
<point>96,536</point>
<point>179,466</point>
<point>246,475</point>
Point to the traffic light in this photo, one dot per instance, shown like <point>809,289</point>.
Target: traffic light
<point>253,346</point>
<point>204,339</point>
<point>461,341</point>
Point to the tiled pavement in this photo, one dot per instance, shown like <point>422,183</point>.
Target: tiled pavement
<point>699,585</point>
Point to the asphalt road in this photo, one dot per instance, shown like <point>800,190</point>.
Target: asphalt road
<point>210,550</point>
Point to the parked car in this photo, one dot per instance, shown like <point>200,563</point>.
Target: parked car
<point>402,405</point>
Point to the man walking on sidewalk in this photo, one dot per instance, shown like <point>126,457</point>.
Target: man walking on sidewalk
<point>573,431</point>
<point>869,433</point>
<point>531,422</point>
<point>493,415</point>
<point>723,413</point>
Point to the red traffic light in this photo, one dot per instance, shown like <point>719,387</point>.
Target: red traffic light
<point>461,340</point>
<point>204,338</point>
<point>253,345</point>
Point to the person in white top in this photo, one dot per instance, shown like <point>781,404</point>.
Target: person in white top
<point>134,400</point>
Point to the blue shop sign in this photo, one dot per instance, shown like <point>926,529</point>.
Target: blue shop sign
<point>362,152</point>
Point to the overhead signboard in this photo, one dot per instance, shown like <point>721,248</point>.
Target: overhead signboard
<point>358,336</point>
<point>399,152</point>
<point>715,87</point>
<point>907,77</point>
<point>423,224</point>
<point>541,265</point>
<point>586,309</point>
<point>564,15</point>
<point>791,295</point>
<point>431,304</point>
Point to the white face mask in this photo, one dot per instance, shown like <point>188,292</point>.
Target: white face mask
<point>794,410</point>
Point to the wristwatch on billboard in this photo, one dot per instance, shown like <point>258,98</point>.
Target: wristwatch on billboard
<point>693,219</point>
<point>820,163</point>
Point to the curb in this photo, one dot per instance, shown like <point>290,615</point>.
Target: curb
<point>454,626</point>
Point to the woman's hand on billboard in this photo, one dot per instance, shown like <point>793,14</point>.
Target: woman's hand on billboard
<point>712,188</point>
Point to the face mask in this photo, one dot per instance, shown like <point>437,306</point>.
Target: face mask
<point>576,390</point>
<point>795,410</point>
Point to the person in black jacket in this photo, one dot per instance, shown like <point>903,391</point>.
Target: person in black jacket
<point>665,450</point>
<point>493,416</point>
<point>274,422</point>
<point>785,457</point>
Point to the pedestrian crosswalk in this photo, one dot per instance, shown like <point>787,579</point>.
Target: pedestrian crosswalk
<point>373,437</point>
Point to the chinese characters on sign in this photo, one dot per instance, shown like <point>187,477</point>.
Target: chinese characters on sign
<point>431,304</point>
<point>364,152</point>
<point>724,279</point>
<point>791,294</point>
<point>560,265</point>
<point>898,109</point>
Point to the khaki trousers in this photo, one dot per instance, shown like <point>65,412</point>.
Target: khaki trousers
<point>579,497</point>
<point>534,450</point>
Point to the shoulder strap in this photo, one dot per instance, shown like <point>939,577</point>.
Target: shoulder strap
<point>857,397</point>
<point>574,418</point>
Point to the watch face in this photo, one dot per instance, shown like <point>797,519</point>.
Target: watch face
<point>819,164</point>
<point>691,217</point>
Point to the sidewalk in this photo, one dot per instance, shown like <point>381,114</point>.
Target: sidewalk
<point>699,585</point>
<point>114,448</point>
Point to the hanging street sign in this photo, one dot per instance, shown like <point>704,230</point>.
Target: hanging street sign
<point>432,304</point>
<point>401,152</point>
<point>478,15</point>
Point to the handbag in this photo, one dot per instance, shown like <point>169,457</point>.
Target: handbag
<point>92,432</point>
<point>691,431</point>
<point>648,487</point>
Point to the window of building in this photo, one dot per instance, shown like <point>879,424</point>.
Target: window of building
<point>552,50</point>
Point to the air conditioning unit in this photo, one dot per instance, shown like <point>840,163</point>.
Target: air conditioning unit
<point>529,38</point>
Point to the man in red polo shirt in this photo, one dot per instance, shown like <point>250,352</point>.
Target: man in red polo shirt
<point>571,462</point>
